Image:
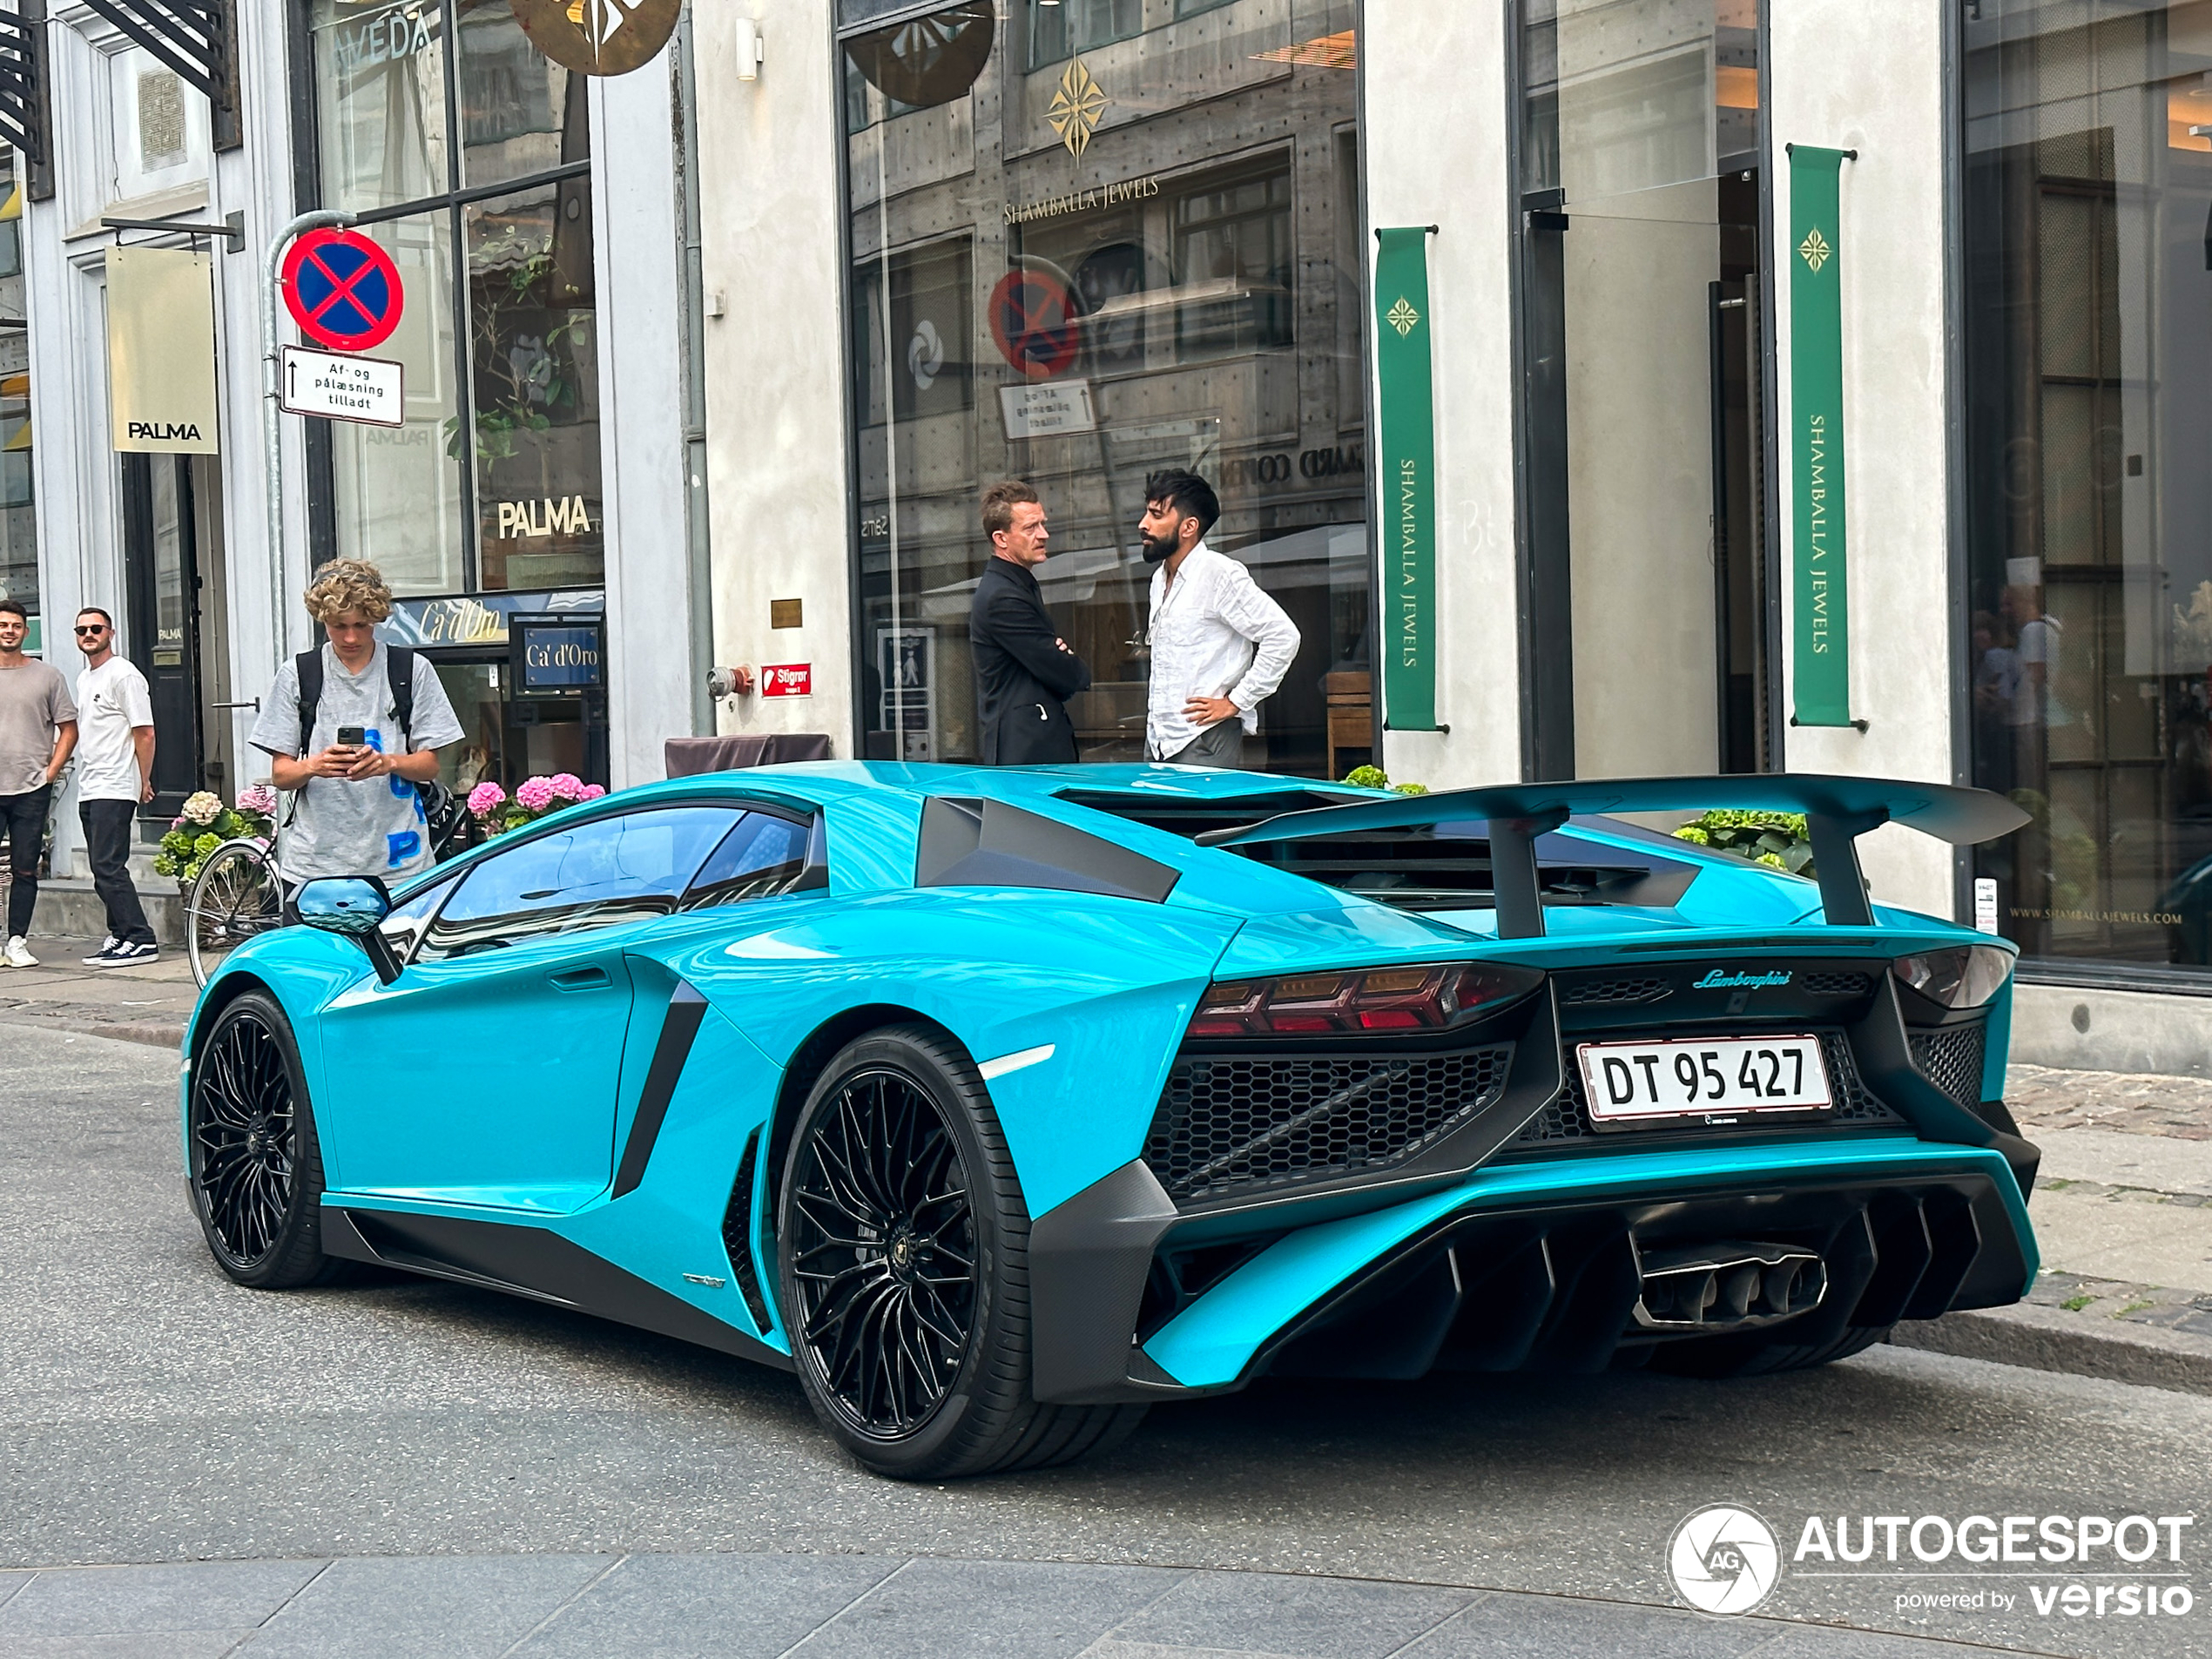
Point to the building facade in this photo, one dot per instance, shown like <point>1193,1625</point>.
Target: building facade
<point>1071,242</point>
<point>542,465</point>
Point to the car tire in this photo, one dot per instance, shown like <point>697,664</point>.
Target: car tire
<point>1749,1355</point>
<point>253,1162</point>
<point>902,1258</point>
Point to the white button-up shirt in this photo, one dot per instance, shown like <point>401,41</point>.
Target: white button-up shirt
<point>1213,634</point>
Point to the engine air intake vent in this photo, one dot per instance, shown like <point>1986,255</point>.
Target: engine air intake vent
<point>737,1235</point>
<point>1951,1058</point>
<point>1568,1116</point>
<point>1241,1124</point>
<point>1836,984</point>
<point>1642,987</point>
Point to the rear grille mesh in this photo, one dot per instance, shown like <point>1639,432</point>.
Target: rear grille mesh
<point>1836,984</point>
<point>1643,987</point>
<point>1241,1124</point>
<point>1951,1059</point>
<point>1568,1117</point>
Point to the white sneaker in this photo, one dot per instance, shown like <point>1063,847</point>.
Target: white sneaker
<point>18,955</point>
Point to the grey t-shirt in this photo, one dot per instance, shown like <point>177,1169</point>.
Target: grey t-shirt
<point>345,827</point>
<point>34,700</point>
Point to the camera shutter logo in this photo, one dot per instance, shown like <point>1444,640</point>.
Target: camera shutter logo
<point>1724,1559</point>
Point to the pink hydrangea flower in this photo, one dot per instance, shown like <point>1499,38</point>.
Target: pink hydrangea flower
<point>486,798</point>
<point>592,791</point>
<point>259,798</point>
<point>534,794</point>
<point>566,786</point>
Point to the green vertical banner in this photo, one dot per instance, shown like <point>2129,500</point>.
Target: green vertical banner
<point>1819,597</point>
<point>1407,480</point>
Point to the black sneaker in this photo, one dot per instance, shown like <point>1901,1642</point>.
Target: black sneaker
<point>121,954</point>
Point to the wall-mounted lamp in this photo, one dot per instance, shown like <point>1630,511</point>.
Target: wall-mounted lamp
<point>751,53</point>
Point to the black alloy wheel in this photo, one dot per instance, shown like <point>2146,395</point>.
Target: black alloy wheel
<point>883,1252</point>
<point>902,1253</point>
<point>255,1166</point>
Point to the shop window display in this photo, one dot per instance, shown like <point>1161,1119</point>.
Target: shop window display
<point>1089,241</point>
<point>2087,300</point>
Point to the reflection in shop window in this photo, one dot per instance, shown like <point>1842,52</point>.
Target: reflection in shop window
<point>1061,28</point>
<point>521,112</point>
<point>2088,373</point>
<point>18,513</point>
<point>1079,313</point>
<point>534,389</point>
<point>380,102</point>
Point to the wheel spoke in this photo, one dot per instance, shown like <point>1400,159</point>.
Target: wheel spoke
<point>882,1251</point>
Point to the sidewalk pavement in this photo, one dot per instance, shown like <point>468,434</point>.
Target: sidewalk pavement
<point>739,1606</point>
<point>2122,1204</point>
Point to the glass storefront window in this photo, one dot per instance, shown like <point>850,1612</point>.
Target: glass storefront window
<point>1091,240</point>
<point>2088,363</point>
<point>521,112</point>
<point>1644,287</point>
<point>396,490</point>
<point>380,101</point>
<point>502,364</point>
<point>534,357</point>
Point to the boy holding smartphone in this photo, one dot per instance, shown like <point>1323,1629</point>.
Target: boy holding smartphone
<point>350,728</point>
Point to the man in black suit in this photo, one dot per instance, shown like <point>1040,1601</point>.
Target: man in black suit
<point>1025,671</point>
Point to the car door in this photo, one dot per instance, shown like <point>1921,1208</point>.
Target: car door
<point>488,1072</point>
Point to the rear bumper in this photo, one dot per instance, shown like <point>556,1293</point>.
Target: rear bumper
<point>1519,1265</point>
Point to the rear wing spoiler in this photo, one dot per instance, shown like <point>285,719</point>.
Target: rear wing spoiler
<point>1837,812</point>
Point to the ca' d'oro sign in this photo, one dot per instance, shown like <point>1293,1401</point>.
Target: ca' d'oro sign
<point>599,37</point>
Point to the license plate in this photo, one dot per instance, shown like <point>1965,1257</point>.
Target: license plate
<point>1714,1080</point>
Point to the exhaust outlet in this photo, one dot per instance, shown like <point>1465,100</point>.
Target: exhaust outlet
<point>1728,1286</point>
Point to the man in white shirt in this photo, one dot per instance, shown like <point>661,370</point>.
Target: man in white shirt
<point>114,778</point>
<point>1219,646</point>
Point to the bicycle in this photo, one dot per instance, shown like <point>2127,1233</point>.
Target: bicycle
<point>241,888</point>
<point>238,895</point>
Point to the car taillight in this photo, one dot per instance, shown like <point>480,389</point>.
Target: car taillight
<point>1359,1002</point>
<point>1964,977</point>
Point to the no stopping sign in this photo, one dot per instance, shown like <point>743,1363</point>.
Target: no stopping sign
<point>343,290</point>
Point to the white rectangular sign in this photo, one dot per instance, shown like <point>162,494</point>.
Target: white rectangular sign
<point>341,387</point>
<point>1047,409</point>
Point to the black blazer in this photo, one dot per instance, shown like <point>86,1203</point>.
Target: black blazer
<point>1022,679</point>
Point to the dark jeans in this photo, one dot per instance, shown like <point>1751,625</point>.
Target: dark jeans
<point>24,819</point>
<point>107,842</point>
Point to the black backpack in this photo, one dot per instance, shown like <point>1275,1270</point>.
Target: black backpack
<point>445,814</point>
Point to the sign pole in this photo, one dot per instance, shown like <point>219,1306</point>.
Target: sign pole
<point>272,422</point>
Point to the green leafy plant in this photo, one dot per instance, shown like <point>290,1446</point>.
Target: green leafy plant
<point>1779,839</point>
<point>1376,778</point>
<point>205,824</point>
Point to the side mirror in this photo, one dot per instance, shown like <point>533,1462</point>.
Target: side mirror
<point>355,906</point>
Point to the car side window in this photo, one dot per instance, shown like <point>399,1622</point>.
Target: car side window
<point>404,927</point>
<point>598,874</point>
<point>765,854</point>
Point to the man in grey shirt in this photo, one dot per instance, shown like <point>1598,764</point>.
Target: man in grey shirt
<point>37,731</point>
<point>355,812</point>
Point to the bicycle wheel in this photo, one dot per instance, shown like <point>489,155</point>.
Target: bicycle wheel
<point>237,896</point>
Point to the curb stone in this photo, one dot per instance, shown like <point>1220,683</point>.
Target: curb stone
<point>2078,1344</point>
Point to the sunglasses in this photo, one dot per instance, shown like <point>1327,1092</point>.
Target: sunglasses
<point>94,628</point>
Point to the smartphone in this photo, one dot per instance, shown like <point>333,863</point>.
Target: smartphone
<point>351,737</point>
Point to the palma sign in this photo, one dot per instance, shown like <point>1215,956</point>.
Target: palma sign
<point>599,37</point>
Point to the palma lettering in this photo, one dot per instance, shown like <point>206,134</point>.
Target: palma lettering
<point>548,518</point>
<point>165,431</point>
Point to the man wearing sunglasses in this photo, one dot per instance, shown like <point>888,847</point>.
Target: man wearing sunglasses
<point>114,778</point>
<point>37,731</point>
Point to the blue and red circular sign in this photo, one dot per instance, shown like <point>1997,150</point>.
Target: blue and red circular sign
<point>342,290</point>
<point>1034,319</point>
